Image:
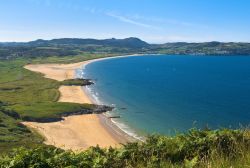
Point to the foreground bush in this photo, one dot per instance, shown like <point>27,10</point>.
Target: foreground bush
<point>219,148</point>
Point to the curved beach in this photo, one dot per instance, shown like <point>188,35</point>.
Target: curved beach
<point>77,132</point>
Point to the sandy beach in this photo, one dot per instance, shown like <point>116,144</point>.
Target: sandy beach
<point>75,132</point>
<point>57,72</point>
<point>74,94</point>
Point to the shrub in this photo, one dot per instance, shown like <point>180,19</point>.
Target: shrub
<point>193,149</point>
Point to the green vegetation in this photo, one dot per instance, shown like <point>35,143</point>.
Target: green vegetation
<point>217,149</point>
<point>76,82</point>
<point>77,47</point>
<point>69,47</point>
<point>207,48</point>
<point>28,96</point>
<point>13,134</point>
<point>47,111</point>
<point>70,59</point>
<point>19,85</point>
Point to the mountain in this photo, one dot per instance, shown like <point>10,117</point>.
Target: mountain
<point>130,42</point>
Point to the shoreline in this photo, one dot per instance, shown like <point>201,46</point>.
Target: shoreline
<point>100,129</point>
<point>120,126</point>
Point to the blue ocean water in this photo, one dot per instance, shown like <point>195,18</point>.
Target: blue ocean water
<point>164,94</point>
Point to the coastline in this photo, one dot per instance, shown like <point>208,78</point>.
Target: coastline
<point>68,134</point>
<point>119,126</point>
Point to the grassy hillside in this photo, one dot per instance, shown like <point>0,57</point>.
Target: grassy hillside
<point>216,149</point>
<point>13,134</point>
<point>19,85</point>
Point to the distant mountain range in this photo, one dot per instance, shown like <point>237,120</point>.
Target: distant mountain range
<point>132,45</point>
<point>127,42</point>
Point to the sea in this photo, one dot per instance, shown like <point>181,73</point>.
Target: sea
<point>169,94</point>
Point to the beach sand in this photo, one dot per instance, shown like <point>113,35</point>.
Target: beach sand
<point>74,94</point>
<point>75,132</point>
<point>57,72</point>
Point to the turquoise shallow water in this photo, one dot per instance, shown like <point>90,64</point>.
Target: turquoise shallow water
<point>164,94</point>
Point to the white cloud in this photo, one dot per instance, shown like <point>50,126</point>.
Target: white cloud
<point>166,21</point>
<point>128,20</point>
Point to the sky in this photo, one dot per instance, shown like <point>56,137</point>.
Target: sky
<point>155,21</point>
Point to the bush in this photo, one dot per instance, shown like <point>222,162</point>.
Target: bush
<point>194,149</point>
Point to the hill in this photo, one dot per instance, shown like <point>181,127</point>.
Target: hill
<point>130,42</point>
<point>76,46</point>
<point>206,48</point>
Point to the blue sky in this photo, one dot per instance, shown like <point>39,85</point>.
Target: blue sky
<point>155,21</point>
